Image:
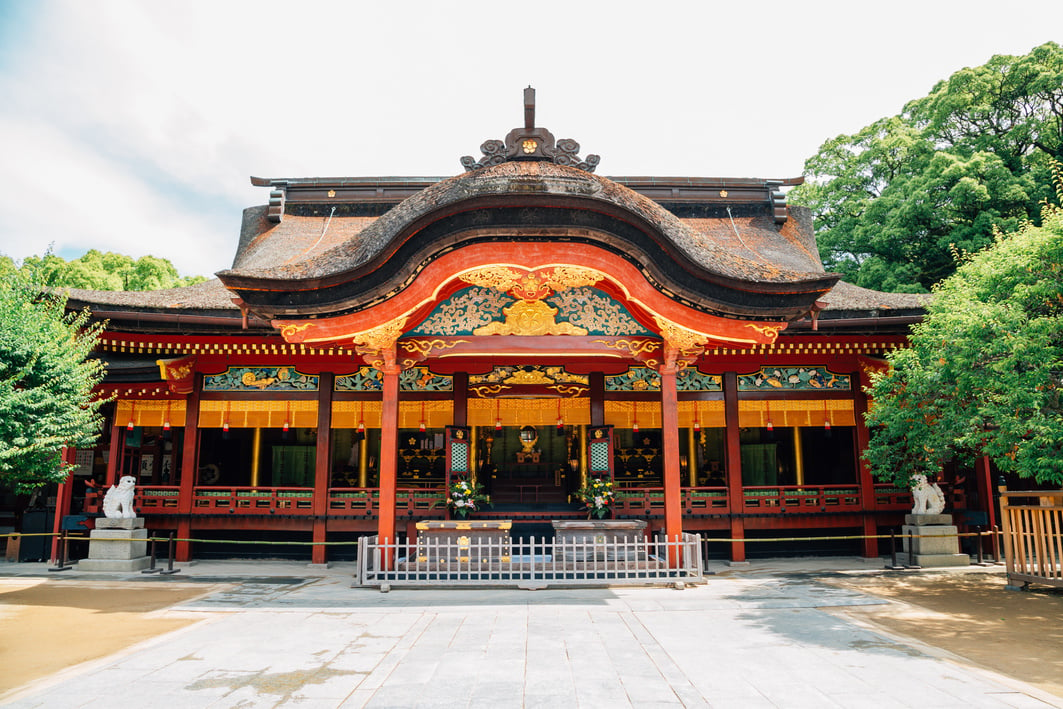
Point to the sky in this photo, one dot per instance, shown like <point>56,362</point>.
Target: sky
<point>134,126</point>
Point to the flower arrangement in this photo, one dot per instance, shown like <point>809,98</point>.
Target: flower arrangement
<point>598,496</point>
<point>465,497</point>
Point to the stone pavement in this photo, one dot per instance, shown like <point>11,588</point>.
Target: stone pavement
<point>282,634</point>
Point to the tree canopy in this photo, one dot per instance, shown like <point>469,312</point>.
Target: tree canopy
<point>46,383</point>
<point>101,271</point>
<point>984,373</point>
<point>895,201</point>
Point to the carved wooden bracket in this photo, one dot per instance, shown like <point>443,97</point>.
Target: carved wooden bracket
<point>377,347</point>
<point>682,346</point>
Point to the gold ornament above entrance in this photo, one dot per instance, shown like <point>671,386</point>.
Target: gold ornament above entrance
<point>532,284</point>
<point>530,317</point>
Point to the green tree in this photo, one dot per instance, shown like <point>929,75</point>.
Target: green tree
<point>895,200</point>
<point>107,271</point>
<point>984,373</point>
<point>46,383</point>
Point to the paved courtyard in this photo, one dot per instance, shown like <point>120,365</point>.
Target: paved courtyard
<point>281,635</point>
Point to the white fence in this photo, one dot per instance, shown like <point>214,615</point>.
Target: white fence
<point>529,564</point>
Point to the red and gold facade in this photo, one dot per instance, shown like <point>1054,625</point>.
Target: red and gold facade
<point>525,303</point>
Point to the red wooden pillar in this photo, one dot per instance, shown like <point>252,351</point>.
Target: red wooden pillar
<point>389,452</point>
<point>734,466</point>
<point>673,510</point>
<point>867,483</point>
<point>983,474</point>
<point>597,396</point>
<point>64,497</point>
<point>114,453</point>
<point>461,398</point>
<point>189,470</point>
<point>322,467</point>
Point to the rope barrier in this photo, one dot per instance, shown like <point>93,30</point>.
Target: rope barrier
<point>726,540</point>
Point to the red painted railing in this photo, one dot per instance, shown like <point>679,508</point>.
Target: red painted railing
<point>891,497</point>
<point>801,498</point>
<point>253,500</point>
<point>163,500</point>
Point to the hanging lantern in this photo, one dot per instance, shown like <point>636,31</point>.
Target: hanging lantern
<point>826,418</point>
<point>422,424</point>
<point>132,409</point>
<point>560,421</point>
<point>697,426</point>
<point>767,407</point>
<point>361,427</point>
<point>635,418</point>
<point>225,424</point>
<point>498,416</point>
<point>697,417</point>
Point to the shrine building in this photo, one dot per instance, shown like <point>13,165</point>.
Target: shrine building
<point>308,395</point>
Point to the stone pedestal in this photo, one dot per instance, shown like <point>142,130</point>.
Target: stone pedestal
<point>464,540</point>
<point>117,544</point>
<point>600,540</point>
<point>935,542</point>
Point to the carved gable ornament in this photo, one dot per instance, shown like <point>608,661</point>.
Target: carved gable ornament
<point>530,143</point>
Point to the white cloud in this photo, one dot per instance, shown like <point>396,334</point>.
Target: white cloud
<point>155,114</point>
<point>58,191</point>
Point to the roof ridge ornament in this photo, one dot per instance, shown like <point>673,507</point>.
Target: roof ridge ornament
<point>530,143</point>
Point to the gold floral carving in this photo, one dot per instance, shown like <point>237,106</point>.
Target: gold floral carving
<point>635,348</point>
<point>532,284</point>
<point>290,331</point>
<point>424,348</point>
<point>532,318</point>
<point>488,389</point>
<point>769,331</point>
<point>378,345</point>
<point>681,345</point>
<point>533,376</point>
<point>573,277</point>
<point>498,277</point>
<point>569,390</point>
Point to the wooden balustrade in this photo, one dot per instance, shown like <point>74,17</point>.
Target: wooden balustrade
<point>419,501</point>
<point>1032,523</point>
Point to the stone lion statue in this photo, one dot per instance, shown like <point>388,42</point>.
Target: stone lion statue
<point>928,497</point>
<point>118,502</point>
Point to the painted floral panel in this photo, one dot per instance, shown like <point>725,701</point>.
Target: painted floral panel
<point>464,311</point>
<point>795,378</point>
<point>595,311</point>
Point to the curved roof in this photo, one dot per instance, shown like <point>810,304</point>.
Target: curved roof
<point>332,259</point>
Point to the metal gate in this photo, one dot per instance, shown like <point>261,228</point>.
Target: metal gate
<point>529,564</point>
